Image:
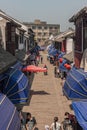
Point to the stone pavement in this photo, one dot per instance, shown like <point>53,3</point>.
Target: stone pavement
<point>46,99</point>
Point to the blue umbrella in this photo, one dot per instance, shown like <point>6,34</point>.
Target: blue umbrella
<point>75,86</point>
<point>16,86</point>
<point>17,65</point>
<point>80,109</point>
<point>51,47</point>
<point>61,55</point>
<point>62,68</point>
<point>54,52</point>
<point>9,117</point>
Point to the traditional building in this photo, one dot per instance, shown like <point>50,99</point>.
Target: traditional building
<point>31,38</point>
<point>43,30</point>
<point>80,21</point>
<point>6,60</point>
<point>64,40</point>
<point>14,35</point>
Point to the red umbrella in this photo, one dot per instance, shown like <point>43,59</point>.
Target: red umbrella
<point>32,68</point>
<point>29,68</point>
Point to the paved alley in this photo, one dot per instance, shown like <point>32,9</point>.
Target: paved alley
<point>46,99</point>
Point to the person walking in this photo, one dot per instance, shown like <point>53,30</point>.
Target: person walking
<point>30,122</point>
<point>70,120</point>
<point>55,125</point>
<point>41,59</point>
<point>45,66</point>
<point>22,121</point>
<point>55,71</point>
<point>62,84</point>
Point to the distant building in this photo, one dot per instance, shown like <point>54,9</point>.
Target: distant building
<point>43,30</point>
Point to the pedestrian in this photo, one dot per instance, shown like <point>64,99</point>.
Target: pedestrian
<point>62,84</point>
<point>45,66</point>
<point>37,60</point>
<point>58,72</point>
<point>47,127</point>
<point>55,71</point>
<point>41,59</point>
<point>22,121</point>
<point>72,120</point>
<point>55,125</point>
<point>30,122</point>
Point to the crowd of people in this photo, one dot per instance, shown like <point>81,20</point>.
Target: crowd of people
<point>30,123</point>
<point>69,123</point>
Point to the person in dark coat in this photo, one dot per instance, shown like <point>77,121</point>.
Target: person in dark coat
<point>45,66</point>
<point>41,59</point>
<point>55,71</point>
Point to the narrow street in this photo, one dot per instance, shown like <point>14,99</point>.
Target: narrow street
<point>46,99</point>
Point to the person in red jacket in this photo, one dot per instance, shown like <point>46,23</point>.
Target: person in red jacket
<point>72,120</point>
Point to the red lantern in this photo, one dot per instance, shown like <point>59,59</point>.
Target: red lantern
<point>65,65</point>
<point>68,67</point>
<point>61,60</point>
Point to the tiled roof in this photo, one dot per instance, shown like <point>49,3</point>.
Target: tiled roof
<point>69,56</point>
<point>61,36</point>
<point>21,55</point>
<point>79,13</point>
<point>6,60</point>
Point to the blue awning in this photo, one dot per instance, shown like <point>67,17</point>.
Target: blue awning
<point>62,68</point>
<point>9,117</point>
<point>49,47</point>
<point>36,49</point>
<point>16,86</point>
<point>42,48</point>
<point>75,86</point>
<point>2,77</point>
<point>17,65</point>
<point>80,109</point>
<point>53,52</point>
<point>61,55</point>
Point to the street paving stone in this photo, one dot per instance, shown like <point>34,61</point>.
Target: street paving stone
<point>46,99</point>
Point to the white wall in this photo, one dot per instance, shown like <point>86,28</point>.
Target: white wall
<point>3,26</point>
<point>69,45</point>
<point>84,61</point>
<point>21,46</point>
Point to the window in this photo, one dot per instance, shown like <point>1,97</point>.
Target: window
<point>45,34</point>
<point>33,27</point>
<point>55,27</point>
<point>50,34</point>
<point>39,27</point>
<point>50,27</point>
<point>45,27</point>
<point>39,34</point>
<point>39,39</point>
